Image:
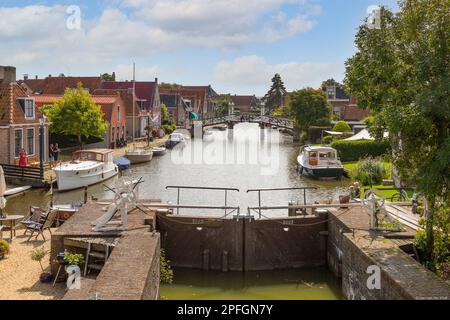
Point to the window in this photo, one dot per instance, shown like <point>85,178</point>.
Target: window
<point>113,134</point>
<point>30,141</point>
<point>331,93</point>
<point>18,142</point>
<point>28,108</point>
<point>118,114</point>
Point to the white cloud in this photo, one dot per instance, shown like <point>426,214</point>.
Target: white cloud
<point>253,71</point>
<point>125,72</point>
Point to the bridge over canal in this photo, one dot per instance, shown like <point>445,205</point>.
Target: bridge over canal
<point>263,121</point>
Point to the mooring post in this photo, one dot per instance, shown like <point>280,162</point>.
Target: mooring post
<point>259,203</point>
<point>85,194</point>
<point>178,200</point>
<point>226,192</point>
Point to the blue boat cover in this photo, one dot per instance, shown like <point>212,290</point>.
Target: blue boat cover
<point>122,162</point>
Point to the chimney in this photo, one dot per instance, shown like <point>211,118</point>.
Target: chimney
<point>156,80</point>
<point>49,75</point>
<point>25,77</point>
<point>36,77</point>
<point>7,74</point>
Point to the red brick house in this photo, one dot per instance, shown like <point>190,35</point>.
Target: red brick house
<point>177,107</point>
<point>57,85</point>
<point>147,99</point>
<point>20,121</point>
<point>344,107</point>
<point>245,104</point>
<point>113,108</point>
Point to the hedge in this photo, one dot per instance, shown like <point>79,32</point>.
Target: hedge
<point>342,126</point>
<point>355,150</point>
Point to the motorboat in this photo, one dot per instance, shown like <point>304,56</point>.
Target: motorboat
<point>16,191</point>
<point>320,162</point>
<point>158,151</point>
<point>88,167</point>
<point>175,139</point>
<point>139,155</point>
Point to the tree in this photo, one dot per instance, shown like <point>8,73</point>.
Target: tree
<point>342,126</point>
<point>401,73</point>
<point>274,98</point>
<point>167,124</point>
<point>309,107</point>
<point>109,77</point>
<point>223,106</point>
<point>76,114</point>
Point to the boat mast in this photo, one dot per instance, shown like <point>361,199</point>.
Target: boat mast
<point>134,102</point>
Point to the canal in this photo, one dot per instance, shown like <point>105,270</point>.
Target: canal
<point>244,158</point>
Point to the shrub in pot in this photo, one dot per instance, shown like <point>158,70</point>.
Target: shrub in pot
<point>38,255</point>
<point>4,248</point>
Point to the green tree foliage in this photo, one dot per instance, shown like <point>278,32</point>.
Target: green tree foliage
<point>222,106</point>
<point>309,107</point>
<point>342,126</point>
<point>167,124</point>
<point>109,77</point>
<point>274,98</point>
<point>76,114</point>
<point>401,73</point>
<point>370,171</point>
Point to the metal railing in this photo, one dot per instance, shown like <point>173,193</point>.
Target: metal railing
<point>225,207</point>
<point>280,189</point>
<point>275,121</point>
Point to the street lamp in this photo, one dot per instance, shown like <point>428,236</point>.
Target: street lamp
<point>42,121</point>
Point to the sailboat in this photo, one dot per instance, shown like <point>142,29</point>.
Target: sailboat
<point>137,155</point>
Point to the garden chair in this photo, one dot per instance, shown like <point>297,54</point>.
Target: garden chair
<point>37,215</point>
<point>41,227</point>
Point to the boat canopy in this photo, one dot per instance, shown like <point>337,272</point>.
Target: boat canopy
<point>334,133</point>
<point>364,135</point>
<point>93,155</point>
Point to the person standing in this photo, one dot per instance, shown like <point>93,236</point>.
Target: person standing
<point>23,158</point>
<point>56,152</point>
<point>51,155</point>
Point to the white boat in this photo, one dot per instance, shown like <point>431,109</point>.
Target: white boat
<point>320,162</point>
<point>14,191</point>
<point>175,139</point>
<point>139,155</point>
<point>158,151</point>
<point>88,167</point>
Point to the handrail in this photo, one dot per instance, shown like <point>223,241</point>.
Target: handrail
<point>280,189</point>
<point>202,188</point>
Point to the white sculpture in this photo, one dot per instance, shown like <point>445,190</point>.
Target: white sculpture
<point>125,199</point>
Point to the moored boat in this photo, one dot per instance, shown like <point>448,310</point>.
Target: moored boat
<point>175,139</point>
<point>122,163</point>
<point>139,155</point>
<point>320,162</point>
<point>15,191</point>
<point>158,151</point>
<point>88,167</point>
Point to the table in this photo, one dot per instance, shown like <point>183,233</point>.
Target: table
<point>11,220</point>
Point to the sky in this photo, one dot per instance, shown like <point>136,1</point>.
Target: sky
<point>234,45</point>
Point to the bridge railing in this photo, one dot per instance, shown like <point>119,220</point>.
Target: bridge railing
<point>274,121</point>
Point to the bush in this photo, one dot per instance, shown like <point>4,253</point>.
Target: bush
<point>342,126</point>
<point>327,140</point>
<point>169,128</point>
<point>4,248</point>
<point>73,258</point>
<point>355,150</point>
<point>315,133</point>
<point>370,171</point>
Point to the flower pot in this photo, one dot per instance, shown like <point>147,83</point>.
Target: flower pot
<point>46,278</point>
<point>344,199</point>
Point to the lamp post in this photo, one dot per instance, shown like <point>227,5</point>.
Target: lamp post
<point>41,142</point>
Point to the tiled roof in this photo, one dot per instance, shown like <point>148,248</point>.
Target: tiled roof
<point>10,109</point>
<point>51,98</point>
<point>144,90</point>
<point>242,100</point>
<point>57,85</point>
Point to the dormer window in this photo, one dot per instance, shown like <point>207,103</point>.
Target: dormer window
<point>28,107</point>
<point>331,93</point>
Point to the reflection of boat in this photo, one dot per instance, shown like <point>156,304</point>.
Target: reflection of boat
<point>175,139</point>
<point>320,162</point>
<point>139,155</point>
<point>14,191</point>
<point>123,163</point>
<point>88,167</point>
<point>158,151</point>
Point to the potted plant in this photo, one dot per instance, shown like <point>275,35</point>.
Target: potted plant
<point>38,255</point>
<point>73,259</point>
<point>4,249</point>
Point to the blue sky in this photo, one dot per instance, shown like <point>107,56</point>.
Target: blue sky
<point>236,46</point>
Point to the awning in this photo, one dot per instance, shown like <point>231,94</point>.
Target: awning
<point>334,133</point>
<point>193,115</point>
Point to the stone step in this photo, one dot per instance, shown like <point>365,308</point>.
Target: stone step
<point>97,254</point>
<point>95,266</point>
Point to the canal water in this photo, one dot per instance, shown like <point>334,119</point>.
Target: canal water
<point>244,158</point>
<point>296,284</point>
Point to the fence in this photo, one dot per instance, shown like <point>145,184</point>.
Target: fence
<point>23,172</point>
